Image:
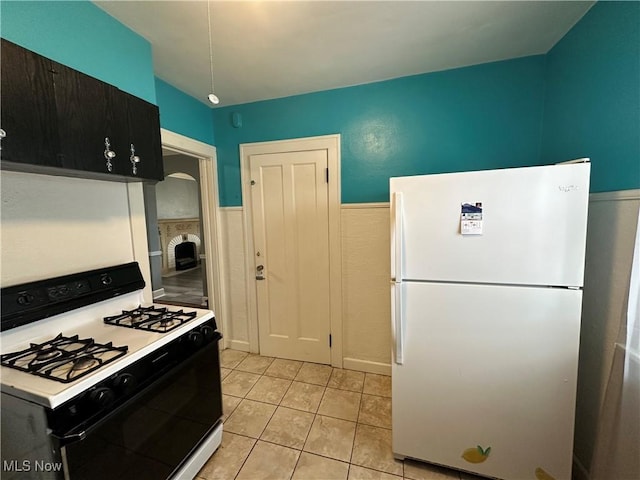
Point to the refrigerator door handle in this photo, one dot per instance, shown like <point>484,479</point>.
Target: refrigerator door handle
<point>396,238</point>
<point>398,322</point>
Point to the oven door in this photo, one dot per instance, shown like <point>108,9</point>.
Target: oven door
<point>154,432</point>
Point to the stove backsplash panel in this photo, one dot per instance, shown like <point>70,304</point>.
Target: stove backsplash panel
<point>54,226</point>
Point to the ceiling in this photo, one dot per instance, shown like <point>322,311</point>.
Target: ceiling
<point>271,49</point>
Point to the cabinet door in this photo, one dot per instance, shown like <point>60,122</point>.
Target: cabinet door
<point>89,111</point>
<point>28,108</point>
<point>144,134</point>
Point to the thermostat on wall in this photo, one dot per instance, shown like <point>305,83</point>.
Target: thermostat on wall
<point>236,120</point>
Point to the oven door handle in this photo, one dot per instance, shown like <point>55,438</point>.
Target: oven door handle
<point>71,438</point>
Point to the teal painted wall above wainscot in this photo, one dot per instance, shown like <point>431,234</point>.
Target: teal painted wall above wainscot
<point>474,118</point>
<point>82,36</point>
<point>592,104</point>
<point>183,114</point>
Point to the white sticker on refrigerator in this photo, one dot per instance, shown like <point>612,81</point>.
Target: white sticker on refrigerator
<point>471,218</point>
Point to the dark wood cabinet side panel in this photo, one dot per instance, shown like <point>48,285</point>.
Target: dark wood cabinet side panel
<point>28,107</point>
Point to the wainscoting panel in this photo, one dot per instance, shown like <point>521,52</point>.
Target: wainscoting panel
<point>366,304</point>
<point>233,274</point>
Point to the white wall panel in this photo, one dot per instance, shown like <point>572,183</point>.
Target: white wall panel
<point>58,225</point>
<point>233,274</point>
<point>366,300</point>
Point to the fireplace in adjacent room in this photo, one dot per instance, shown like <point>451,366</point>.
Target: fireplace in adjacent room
<point>186,254</point>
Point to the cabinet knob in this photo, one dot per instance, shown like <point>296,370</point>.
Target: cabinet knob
<point>108,154</point>
<point>2,134</point>
<point>134,160</point>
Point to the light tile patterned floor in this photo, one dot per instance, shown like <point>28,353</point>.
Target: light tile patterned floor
<point>303,421</point>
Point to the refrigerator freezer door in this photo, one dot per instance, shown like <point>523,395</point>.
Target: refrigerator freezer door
<point>533,233</point>
<point>488,383</point>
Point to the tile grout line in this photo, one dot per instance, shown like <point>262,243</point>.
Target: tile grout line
<point>257,439</point>
<point>270,418</point>
<point>313,421</point>
<point>355,433</point>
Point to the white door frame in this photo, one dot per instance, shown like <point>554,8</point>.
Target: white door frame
<point>211,231</point>
<point>331,143</point>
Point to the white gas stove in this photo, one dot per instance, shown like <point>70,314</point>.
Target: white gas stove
<point>83,356</point>
<point>85,323</point>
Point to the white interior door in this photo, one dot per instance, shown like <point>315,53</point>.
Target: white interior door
<point>289,196</point>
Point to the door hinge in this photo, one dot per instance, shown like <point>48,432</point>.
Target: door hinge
<point>326,171</point>
<point>329,340</point>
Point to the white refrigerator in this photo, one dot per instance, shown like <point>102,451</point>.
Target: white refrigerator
<point>486,291</point>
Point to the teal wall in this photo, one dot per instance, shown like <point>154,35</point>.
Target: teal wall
<point>183,114</point>
<point>581,99</point>
<point>80,35</point>
<point>592,105</point>
<point>474,118</point>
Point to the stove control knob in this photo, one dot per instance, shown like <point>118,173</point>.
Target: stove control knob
<point>207,332</point>
<point>195,338</point>
<point>124,383</point>
<point>102,397</point>
<point>25,299</point>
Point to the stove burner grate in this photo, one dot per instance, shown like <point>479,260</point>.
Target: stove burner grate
<point>63,359</point>
<point>153,319</point>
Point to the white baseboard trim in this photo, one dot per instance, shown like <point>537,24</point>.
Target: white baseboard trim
<point>241,345</point>
<point>158,293</point>
<point>366,366</point>
<point>579,472</point>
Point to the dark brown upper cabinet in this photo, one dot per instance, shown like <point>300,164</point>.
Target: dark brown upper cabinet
<point>28,115</point>
<point>60,121</point>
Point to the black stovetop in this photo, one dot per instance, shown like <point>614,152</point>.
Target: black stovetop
<point>63,359</point>
<point>153,319</point>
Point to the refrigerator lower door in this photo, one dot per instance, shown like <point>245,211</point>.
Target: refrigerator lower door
<point>488,382</point>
